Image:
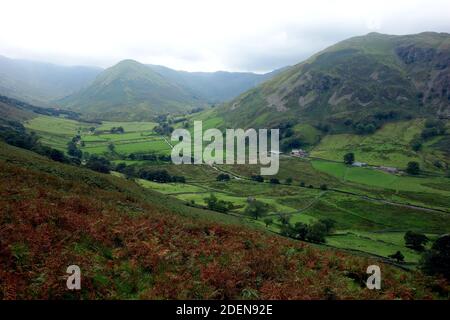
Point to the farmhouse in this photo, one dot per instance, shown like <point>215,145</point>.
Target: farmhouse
<point>359,164</point>
<point>299,153</point>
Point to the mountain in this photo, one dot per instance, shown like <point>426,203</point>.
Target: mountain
<point>131,90</point>
<point>40,83</point>
<point>215,87</point>
<point>357,81</point>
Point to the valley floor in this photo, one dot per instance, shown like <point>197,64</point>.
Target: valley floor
<point>372,209</point>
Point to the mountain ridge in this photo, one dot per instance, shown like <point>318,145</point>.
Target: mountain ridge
<point>354,79</point>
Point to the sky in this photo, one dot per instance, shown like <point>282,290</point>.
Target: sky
<point>202,35</point>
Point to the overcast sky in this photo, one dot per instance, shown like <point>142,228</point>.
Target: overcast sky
<point>197,35</point>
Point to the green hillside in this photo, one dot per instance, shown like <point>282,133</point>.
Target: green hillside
<point>364,80</point>
<point>131,90</point>
<point>134,243</point>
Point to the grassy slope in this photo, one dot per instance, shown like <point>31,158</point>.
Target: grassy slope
<point>132,243</point>
<point>130,90</point>
<point>351,215</point>
<point>389,146</point>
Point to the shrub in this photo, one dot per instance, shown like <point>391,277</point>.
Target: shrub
<point>349,158</point>
<point>223,177</point>
<point>258,178</point>
<point>256,209</point>
<point>413,168</point>
<point>398,256</point>
<point>274,181</point>
<point>437,260</point>
<point>415,240</point>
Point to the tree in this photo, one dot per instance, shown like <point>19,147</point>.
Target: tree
<point>413,168</point>
<point>323,187</point>
<point>301,230</point>
<point>274,181</point>
<point>289,180</point>
<point>258,178</point>
<point>57,155</point>
<point>302,184</point>
<point>268,221</point>
<point>223,177</point>
<point>284,218</point>
<point>218,205</point>
<point>329,224</point>
<point>415,240</point>
<point>256,209</point>
<point>73,151</point>
<point>317,232</point>
<point>349,158</point>
<point>98,164</point>
<point>397,256</point>
<point>437,260</point>
<point>120,167</point>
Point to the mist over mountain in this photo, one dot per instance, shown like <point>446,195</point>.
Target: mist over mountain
<point>136,91</point>
<point>215,87</point>
<point>39,82</point>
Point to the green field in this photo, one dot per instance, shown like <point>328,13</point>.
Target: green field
<point>388,146</point>
<point>138,137</point>
<point>372,209</point>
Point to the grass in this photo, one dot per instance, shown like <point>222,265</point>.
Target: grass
<point>138,136</point>
<point>371,226</point>
<point>388,146</point>
<point>377,178</point>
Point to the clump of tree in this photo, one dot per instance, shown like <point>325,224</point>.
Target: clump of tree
<point>160,176</point>
<point>99,164</point>
<point>256,209</point>
<point>436,261</point>
<point>149,157</point>
<point>373,122</point>
<point>413,168</point>
<point>274,181</point>
<point>268,221</point>
<point>215,204</point>
<point>365,128</point>
<point>415,240</point>
<point>117,130</point>
<point>223,177</point>
<point>398,256</point>
<point>433,128</point>
<point>73,151</point>
<point>416,144</point>
<point>257,178</point>
<point>15,134</point>
<point>315,232</point>
<point>163,129</point>
<point>349,158</point>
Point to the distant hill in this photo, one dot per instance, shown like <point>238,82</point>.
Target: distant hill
<point>134,91</point>
<point>40,83</point>
<point>15,110</point>
<point>355,81</point>
<point>215,87</point>
<point>131,90</point>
